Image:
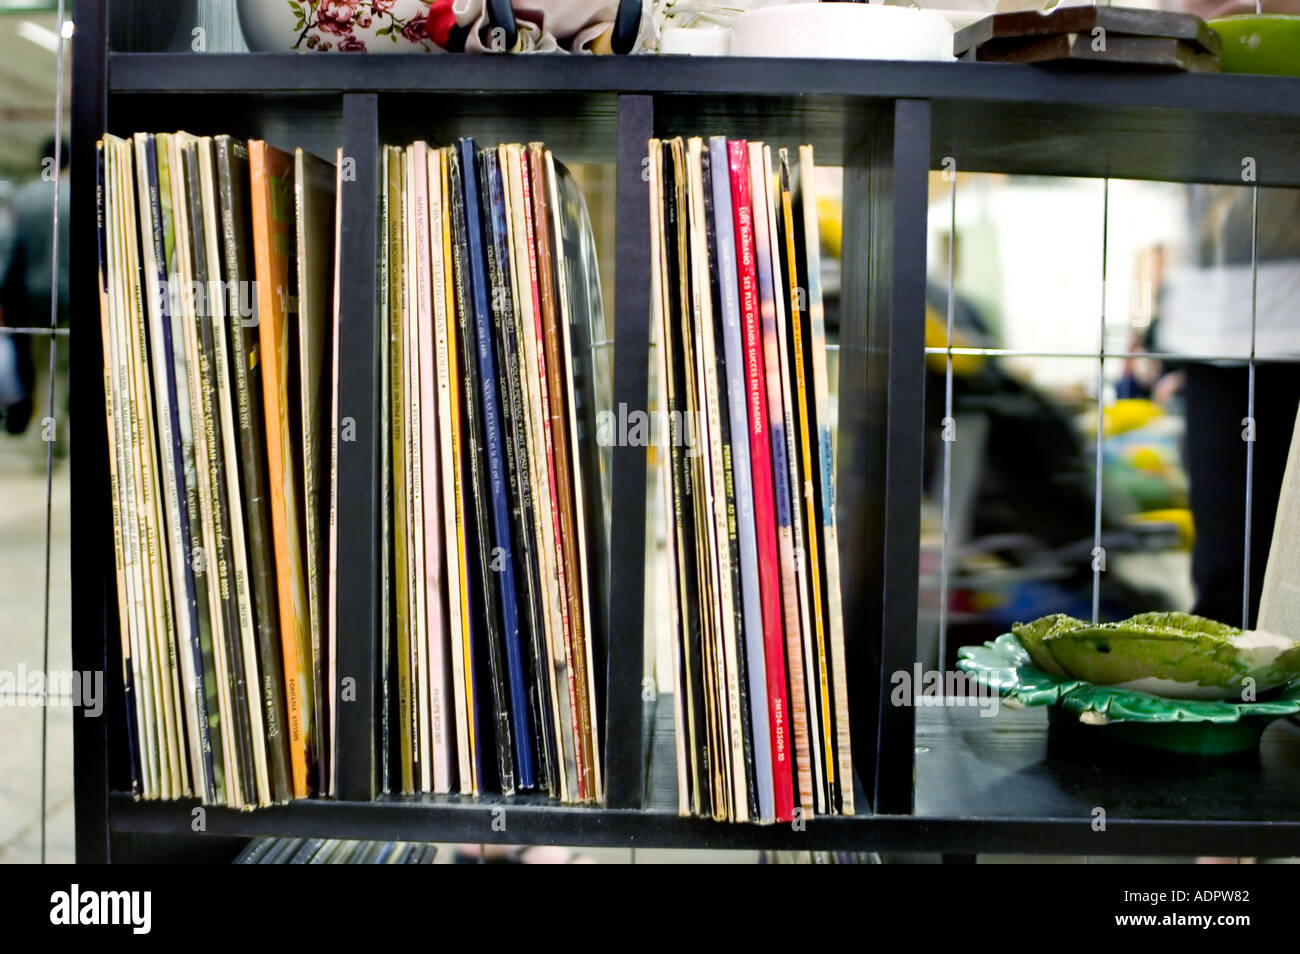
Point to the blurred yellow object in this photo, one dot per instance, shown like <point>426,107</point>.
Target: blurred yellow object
<point>1128,414</point>
<point>985,600</point>
<point>1180,517</point>
<point>936,336</point>
<point>829,222</point>
<point>1148,459</point>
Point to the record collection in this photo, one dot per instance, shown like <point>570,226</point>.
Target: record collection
<point>496,488</point>
<point>761,702</point>
<point>218,321</point>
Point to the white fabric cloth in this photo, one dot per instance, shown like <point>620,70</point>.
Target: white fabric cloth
<point>1279,604</point>
<point>1207,310</point>
<point>542,24</point>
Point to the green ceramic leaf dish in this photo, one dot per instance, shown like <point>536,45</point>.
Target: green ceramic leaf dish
<point>1167,654</point>
<point>1180,725</point>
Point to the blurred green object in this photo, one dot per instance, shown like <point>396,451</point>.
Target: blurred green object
<point>1259,43</point>
<point>1192,727</point>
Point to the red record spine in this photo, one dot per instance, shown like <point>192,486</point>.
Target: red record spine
<point>761,466</point>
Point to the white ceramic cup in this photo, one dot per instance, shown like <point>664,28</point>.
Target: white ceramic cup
<point>695,41</point>
<point>851,31</point>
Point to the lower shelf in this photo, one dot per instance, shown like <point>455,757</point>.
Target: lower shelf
<point>1009,766</point>
<point>983,785</point>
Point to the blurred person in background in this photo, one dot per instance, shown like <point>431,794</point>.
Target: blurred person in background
<point>1206,310</point>
<point>26,274</point>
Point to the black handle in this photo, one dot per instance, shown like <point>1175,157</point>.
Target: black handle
<point>627,23</point>
<point>501,14</point>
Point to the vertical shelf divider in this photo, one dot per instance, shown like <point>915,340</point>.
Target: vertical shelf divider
<point>881,408</point>
<point>359,494</point>
<point>94,608</point>
<point>624,759</point>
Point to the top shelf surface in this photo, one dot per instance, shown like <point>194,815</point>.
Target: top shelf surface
<point>1009,83</point>
<point>1007,118</point>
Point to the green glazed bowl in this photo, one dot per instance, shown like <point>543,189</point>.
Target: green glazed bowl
<point>1189,726</point>
<point>1259,43</point>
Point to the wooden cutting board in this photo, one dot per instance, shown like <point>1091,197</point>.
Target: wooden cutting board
<point>1123,21</point>
<point>1161,53</point>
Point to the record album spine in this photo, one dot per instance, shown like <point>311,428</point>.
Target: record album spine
<point>232,166</point>
<point>172,466</point>
<point>112,415</point>
<point>399,381</point>
<point>547,509</point>
<point>761,806</point>
<point>742,473</point>
<point>441,726</point>
<point>761,461</point>
<point>686,801</point>
<point>271,174</point>
<point>820,732</point>
<point>569,217</point>
<point>513,444</point>
<point>175,241</point>
<point>700,665</point>
<point>536,498</point>
<point>786,474</point>
<point>712,460</point>
<point>257,783</point>
<point>826,479</point>
<point>548,254</point>
<point>471,306</point>
<point>209,372</point>
<point>448,410</point>
<point>457,451</point>
<point>770,373</point>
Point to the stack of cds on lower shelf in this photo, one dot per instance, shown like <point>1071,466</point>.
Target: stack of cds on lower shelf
<point>334,851</point>
<point>218,320</point>
<point>498,515</point>
<point>762,725</point>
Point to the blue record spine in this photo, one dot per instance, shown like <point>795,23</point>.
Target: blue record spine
<point>503,559</point>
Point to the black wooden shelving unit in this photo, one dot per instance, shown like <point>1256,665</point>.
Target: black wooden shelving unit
<point>944,781</point>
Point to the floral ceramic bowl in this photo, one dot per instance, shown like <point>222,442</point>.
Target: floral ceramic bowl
<point>361,26</point>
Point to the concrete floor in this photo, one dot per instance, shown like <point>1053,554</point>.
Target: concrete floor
<point>22,603</point>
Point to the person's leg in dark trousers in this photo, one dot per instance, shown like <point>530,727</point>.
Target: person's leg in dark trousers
<point>1216,403</point>
<point>18,415</point>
